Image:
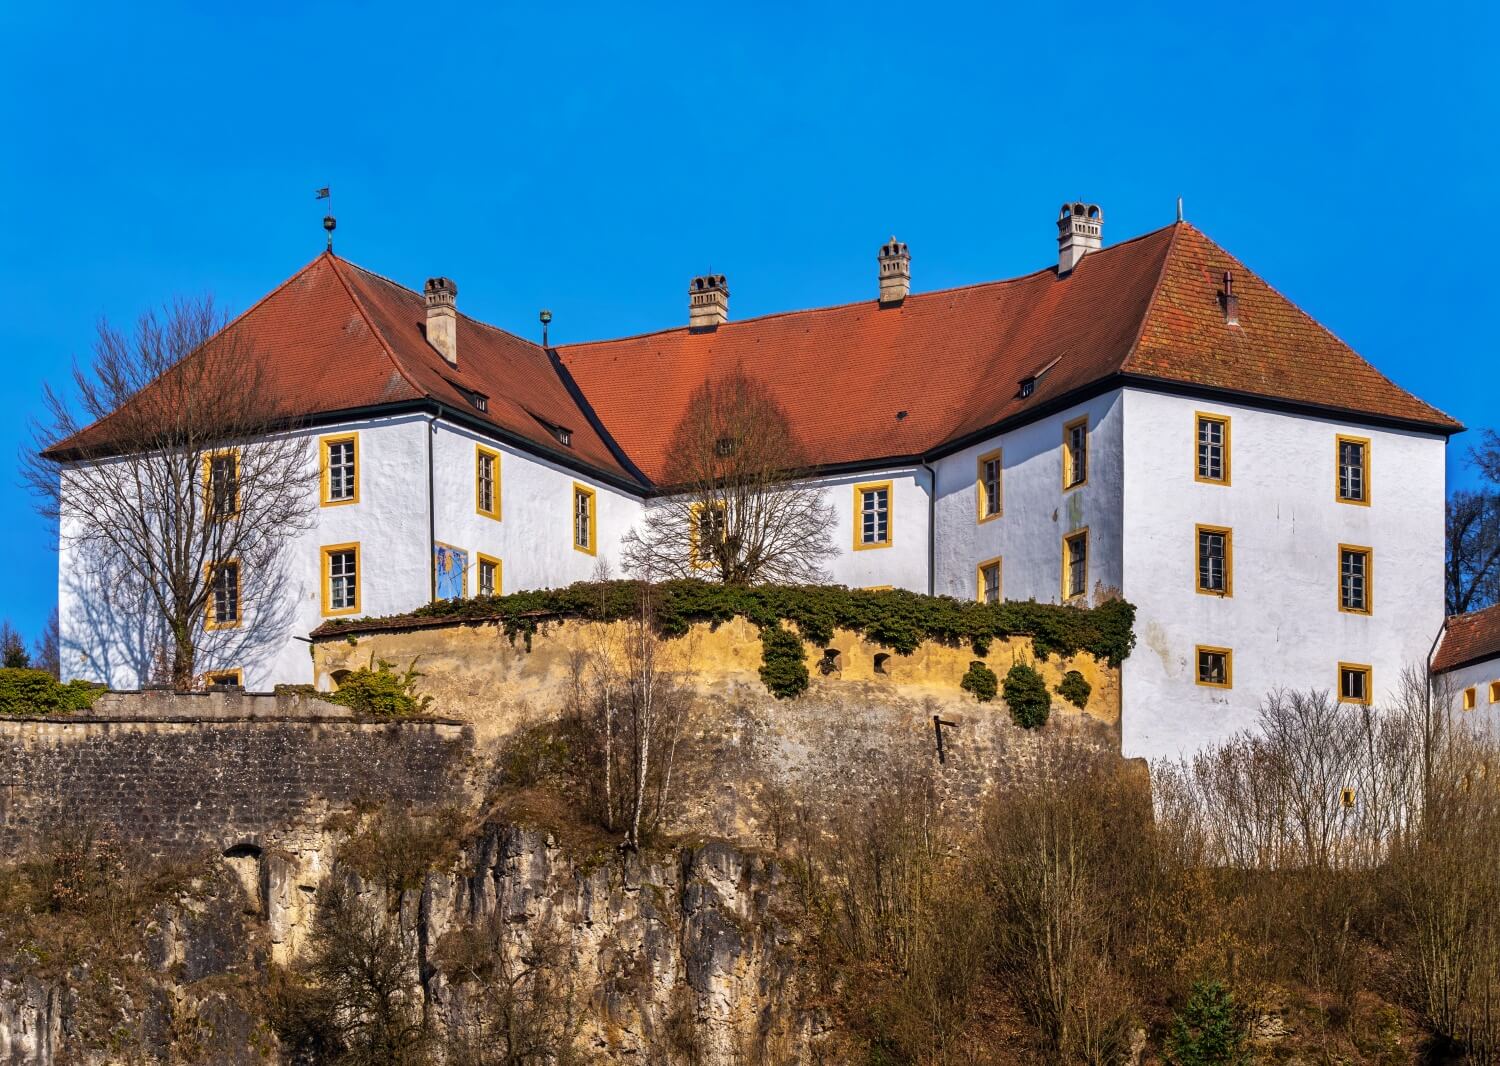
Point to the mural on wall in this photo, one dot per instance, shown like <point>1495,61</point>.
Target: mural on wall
<point>451,567</point>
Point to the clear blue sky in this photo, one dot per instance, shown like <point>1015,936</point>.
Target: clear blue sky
<point>591,159</point>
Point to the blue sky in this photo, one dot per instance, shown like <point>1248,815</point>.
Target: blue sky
<point>591,159</point>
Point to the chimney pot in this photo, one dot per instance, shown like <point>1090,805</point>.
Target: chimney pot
<point>1230,301</point>
<point>895,273</point>
<point>708,302</point>
<point>442,317</point>
<point>1080,230</point>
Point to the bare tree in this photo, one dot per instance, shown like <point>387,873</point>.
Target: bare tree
<point>632,708</point>
<point>1472,566</point>
<point>740,505</point>
<point>175,474</point>
<point>44,655</point>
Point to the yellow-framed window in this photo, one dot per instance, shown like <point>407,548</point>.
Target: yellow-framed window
<point>1355,683</point>
<point>1214,557</point>
<point>1075,452</point>
<point>338,465</point>
<point>341,579</point>
<point>1356,579</point>
<point>235,676</point>
<point>585,520</point>
<point>705,526</point>
<point>989,486</point>
<point>987,581</point>
<point>1352,480</point>
<point>873,525</point>
<point>1075,564</point>
<point>1495,691</point>
<point>1214,667</point>
<point>487,481</point>
<point>489,574</point>
<point>1471,697</point>
<point>1211,448</point>
<point>221,484</point>
<point>877,588</point>
<point>223,605</point>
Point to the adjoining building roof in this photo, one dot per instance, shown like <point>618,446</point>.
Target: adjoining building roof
<point>1468,638</point>
<point>860,382</point>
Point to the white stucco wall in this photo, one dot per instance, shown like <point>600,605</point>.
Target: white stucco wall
<point>903,565</point>
<point>1038,512</point>
<point>1478,677</point>
<point>1282,620</point>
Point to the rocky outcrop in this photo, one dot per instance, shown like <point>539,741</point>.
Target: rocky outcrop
<point>681,955</point>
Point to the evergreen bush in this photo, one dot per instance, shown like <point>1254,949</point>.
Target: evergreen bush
<point>783,662</point>
<point>1026,696</point>
<point>1209,1030</point>
<point>26,693</point>
<point>378,689</point>
<point>1075,689</point>
<point>981,681</point>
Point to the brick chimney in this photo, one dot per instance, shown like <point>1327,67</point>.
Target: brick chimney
<point>1229,301</point>
<point>442,317</point>
<point>895,273</point>
<point>1080,229</point>
<point>708,302</point>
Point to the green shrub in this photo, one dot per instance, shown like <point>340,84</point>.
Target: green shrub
<point>783,662</point>
<point>26,692</point>
<point>1209,1030</point>
<point>1026,696</point>
<point>981,681</point>
<point>1075,689</point>
<point>379,689</point>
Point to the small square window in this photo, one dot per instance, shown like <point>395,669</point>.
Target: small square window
<point>226,677</point>
<point>1215,667</point>
<point>1354,683</point>
<point>489,576</point>
<point>989,581</point>
<point>1346,798</point>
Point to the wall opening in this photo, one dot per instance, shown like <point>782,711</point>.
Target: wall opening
<point>882,659</point>
<point>830,663</point>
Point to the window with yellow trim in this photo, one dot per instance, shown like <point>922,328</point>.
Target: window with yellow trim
<point>339,469</point>
<point>1471,697</point>
<point>227,677</point>
<point>872,515</point>
<point>877,588</point>
<point>1495,691</point>
<point>1211,461</point>
<point>224,595</point>
<point>1354,683</point>
<point>585,525</point>
<point>987,581</point>
<point>221,484</point>
<point>1356,574</point>
<point>1075,568</point>
<point>706,526</point>
<point>1215,561</point>
<point>489,575</point>
<point>987,479</point>
<point>1215,666</point>
<point>1353,484</point>
<point>341,574</point>
<point>1076,452</point>
<point>487,481</point>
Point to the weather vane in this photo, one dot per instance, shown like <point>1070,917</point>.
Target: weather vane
<point>328,221</point>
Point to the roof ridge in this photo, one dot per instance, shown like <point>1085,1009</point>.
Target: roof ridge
<point>370,325</point>
<point>857,303</point>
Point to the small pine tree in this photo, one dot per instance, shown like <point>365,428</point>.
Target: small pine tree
<point>1208,1031</point>
<point>980,681</point>
<point>13,654</point>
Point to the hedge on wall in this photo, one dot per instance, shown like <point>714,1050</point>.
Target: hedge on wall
<point>783,662</point>
<point>25,692</point>
<point>894,619</point>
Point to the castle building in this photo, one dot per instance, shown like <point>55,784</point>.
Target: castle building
<point>1466,665</point>
<point>1148,419</point>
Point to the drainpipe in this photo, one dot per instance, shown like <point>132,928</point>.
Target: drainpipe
<point>931,529</point>
<point>431,518</point>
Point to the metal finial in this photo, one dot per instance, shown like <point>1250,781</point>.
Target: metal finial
<point>546,317</point>
<point>1179,209</point>
<point>329,223</point>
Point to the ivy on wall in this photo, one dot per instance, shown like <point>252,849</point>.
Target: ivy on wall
<point>894,619</point>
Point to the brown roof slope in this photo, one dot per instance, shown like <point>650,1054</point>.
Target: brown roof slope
<point>953,360</point>
<point>1277,350</point>
<point>334,337</point>
<point>1468,638</point>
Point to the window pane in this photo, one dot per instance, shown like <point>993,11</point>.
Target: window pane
<point>1213,667</point>
<point>1078,548</point>
<point>990,591</point>
<point>991,481</point>
<point>1353,583</point>
<point>874,516</point>
<point>1210,449</point>
<point>1351,470</point>
<point>341,470</point>
<point>486,482</point>
<point>341,580</point>
<point>1212,573</point>
<point>582,518</point>
<point>226,593</point>
<point>486,578</point>
<point>1352,685</point>
<point>1078,458</point>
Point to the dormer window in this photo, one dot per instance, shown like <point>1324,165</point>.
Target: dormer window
<point>477,400</point>
<point>724,447</point>
<point>564,436</point>
<point>1028,386</point>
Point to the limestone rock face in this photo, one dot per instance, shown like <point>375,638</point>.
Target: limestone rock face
<point>675,956</point>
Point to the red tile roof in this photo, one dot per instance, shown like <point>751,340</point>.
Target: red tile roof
<point>860,382</point>
<point>1468,638</point>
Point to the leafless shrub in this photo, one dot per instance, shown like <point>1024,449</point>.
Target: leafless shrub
<point>742,509</point>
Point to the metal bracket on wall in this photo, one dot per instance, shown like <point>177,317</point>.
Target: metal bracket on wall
<point>937,731</point>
